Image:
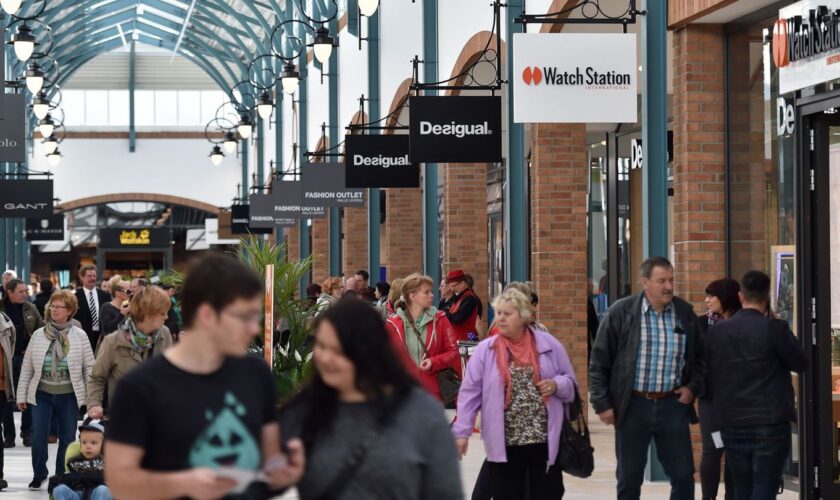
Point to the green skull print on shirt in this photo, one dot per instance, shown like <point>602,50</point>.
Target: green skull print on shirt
<point>226,442</point>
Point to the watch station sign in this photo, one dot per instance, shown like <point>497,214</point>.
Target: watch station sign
<point>806,44</point>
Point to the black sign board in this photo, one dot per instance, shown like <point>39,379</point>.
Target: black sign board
<point>135,237</point>
<point>323,183</point>
<point>266,213</point>
<point>290,199</point>
<point>379,161</point>
<point>456,129</point>
<point>45,229</point>
<point>26,198</point>
<point>239,221</point>
<point>13,128</point>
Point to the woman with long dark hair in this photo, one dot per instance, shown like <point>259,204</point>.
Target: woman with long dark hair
<point>722,302</point>
<point>370,432</point>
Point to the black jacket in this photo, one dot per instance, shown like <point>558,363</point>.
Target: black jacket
<point>83,314</point>
<point>750,358</point>
<point>41,301</point>
<point>613,360</point>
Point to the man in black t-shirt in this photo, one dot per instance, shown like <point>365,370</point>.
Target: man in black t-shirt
<point>188,422</point>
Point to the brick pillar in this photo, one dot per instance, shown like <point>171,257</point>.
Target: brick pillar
<point>699,185</point>
<point>320,250</point>
<point>465,223</point>
<point>292,242</point>
<point>354,244</point>
<point>699,190</point>
<point>403,249</point>
<point>559,163</point>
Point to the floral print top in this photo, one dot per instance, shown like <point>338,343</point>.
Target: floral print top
<point>526,419</point>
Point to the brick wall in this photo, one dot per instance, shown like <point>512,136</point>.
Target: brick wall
<point>558,236</point>
<point>699,189</point>
<point>465,223</point>
<point>403,249</point>
<point>292,241</point>
<point>320,250</point>
<point>354,254</point>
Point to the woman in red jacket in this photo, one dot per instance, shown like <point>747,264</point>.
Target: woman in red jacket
<point>421,335</point>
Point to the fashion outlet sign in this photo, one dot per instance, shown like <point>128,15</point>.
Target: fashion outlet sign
<point>574,78</point>
<point>806,44</point>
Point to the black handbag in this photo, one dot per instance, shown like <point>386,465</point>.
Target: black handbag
<point>576,455</point>
<point>448,380</point>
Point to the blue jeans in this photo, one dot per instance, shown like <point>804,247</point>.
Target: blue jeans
<point>756,458</point>
<point>63,405</point>
<point>63,492</point>
<point>666,422</point>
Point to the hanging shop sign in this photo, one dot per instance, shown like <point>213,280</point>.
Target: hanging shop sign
<point>455,129</point>
<point>806,44</point>
<point>13,129</point>
<point>132,237</point>
<point>574,78</point>
<point>213,231</point>
<point>45,229</point>
<point>379,161</point>
<point>266,212</point>
<point>239,221</point>
<point>26,198</point>
<point>290,199</point>
<point>323,183</point>
<point>196,240</point>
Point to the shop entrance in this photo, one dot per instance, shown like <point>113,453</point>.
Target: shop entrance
<point>819,320</point>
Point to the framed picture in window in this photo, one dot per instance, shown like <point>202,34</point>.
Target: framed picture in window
<point>783,283</point>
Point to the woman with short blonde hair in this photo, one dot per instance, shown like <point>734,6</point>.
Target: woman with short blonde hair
<point>331,291</point>
<point>111,314</point>
<point>53,379</point>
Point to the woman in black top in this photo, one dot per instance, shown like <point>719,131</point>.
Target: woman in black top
<point>111,314</point>
<point>362,403</point>
<point>722,302</point>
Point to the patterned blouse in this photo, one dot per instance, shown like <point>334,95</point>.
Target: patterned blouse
<point>526,419</point>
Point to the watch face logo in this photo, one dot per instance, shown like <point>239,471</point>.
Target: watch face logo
<point>781,52</point>
<point>532,75</point>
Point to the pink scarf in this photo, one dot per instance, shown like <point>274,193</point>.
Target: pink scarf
<point>523,352</point>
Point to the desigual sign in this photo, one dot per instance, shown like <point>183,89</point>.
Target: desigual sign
<point>806,44</point>
<point>379,161</point>
<point>574,78</point>
<point>455,129</point>
<point>26,198</point>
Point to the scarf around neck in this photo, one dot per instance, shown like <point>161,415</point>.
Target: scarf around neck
<point>140,342</point>
<point>412,343</point>
<point>58,335</point>
<point>523,352</point>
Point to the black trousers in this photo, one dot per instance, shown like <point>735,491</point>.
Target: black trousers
<point>523,476</point>
<point>710,461</point>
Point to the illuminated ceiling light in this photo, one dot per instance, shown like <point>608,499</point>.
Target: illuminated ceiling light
<point>41,105</point>
<point>245,126</point>
<point>34,78</point>
<point>323,45</point>
<point>265,106</point>
<point>290,78</point>
<point>216,156</point>
<point>23,42</point>
<point>54,158</point>
<point>368,7</point>
<point>50,144</point>
<point>46,126</point>
<point>230,142</point>
<point>11,6</point>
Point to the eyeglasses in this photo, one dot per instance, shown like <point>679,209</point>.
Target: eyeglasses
<point>246,317</point>
<point>54,306</point>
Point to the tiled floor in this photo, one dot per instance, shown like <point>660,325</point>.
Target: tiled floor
<point>18,472</point>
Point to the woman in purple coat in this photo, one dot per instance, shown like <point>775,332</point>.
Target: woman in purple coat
<point>521,381</point>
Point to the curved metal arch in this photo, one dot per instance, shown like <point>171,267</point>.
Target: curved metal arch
<point>241,18</point>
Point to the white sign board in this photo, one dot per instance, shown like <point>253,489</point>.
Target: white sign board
<point>211,228</point>
<point>807,50</point>
<point>196,240</point>
<point>574,78</point>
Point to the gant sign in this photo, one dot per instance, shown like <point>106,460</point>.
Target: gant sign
<point>806,44</point>
<point>574,78</point>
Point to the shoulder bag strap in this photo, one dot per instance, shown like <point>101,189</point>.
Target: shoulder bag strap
<point>420,339</point>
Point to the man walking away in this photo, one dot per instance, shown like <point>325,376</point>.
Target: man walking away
<point>645,372</point>
<point>750,358</point>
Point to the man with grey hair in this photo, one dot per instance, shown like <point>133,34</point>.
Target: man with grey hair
<point>7,275</point>
<point>646,369</point>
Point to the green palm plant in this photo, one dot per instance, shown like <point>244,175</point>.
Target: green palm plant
<point>292,359</point>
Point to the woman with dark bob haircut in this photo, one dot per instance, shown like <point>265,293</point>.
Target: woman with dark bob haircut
<point>722,301</point>
<point>369,431</point>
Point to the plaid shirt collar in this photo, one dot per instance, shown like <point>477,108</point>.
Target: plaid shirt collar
<point>646,306</point>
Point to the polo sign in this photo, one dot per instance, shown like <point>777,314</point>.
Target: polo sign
<point>806,44</point>
<point>574,78</point>
<point>323,183</point>
<point>26,198</point>
<point>379,161</point>
<point>455,129</point>
<point>12,129</point>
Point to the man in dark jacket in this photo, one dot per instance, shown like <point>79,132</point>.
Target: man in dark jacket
<point>646,369</point>
<point>42,298</point>
<point>750,358</point>
<point>90,299</point>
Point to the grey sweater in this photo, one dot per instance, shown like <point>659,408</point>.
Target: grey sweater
<point>414,458</point>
